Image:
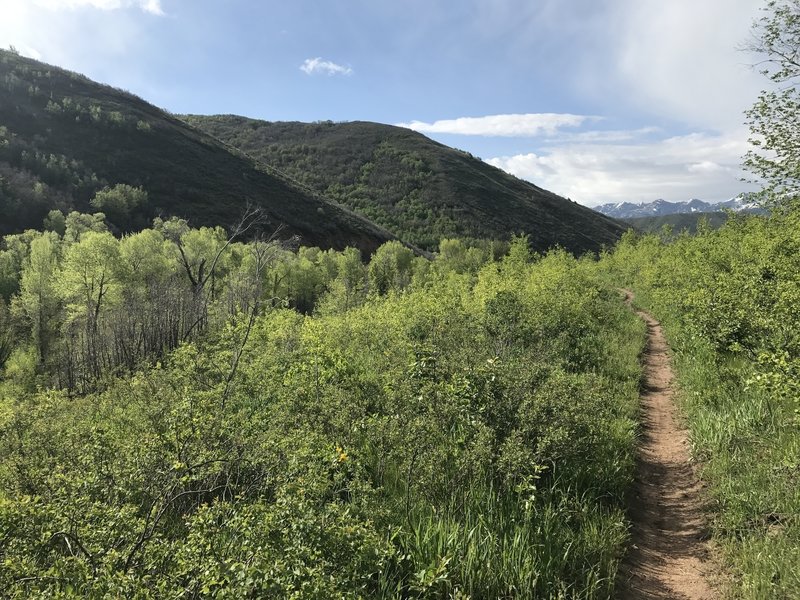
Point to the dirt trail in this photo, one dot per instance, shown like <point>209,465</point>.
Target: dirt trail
<point>668,556</point>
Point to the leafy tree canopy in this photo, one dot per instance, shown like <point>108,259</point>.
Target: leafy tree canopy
<point>774,119</point>
<point>119,201</point>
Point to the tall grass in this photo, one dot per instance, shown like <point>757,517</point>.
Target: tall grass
<point>561,537</point>
<point>748,445</point>
<point>562,544</point>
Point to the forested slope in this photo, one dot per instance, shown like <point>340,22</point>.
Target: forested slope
<point>64,137</point>
<point>419,189</point>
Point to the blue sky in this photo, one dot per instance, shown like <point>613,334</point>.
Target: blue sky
<point>597,100</point>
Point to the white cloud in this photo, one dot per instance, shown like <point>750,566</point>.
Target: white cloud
<point>153,6</point>
<point>698,165</point>
<point>94,40</point>
<point>150,6</point>
<point>674,62</point>
<point>514,125</point>
<point>706,166</point>
<point>317,66</point>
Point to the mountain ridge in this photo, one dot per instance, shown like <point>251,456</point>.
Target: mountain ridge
<point>413,186</point>
<point>660,207</point>
<point>64,137</point>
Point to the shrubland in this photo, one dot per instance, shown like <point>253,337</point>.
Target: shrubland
<point>184,415</point>
<point>730,303</point>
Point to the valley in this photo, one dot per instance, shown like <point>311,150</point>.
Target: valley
<point>251,358</point>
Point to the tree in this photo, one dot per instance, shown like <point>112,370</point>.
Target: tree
<point>76,224</point>
<point>6,333</point>
<point>151,315</point>
<point>89,275</point>
<point>12,259</point>
<point>390,267</point>
<point>119,201</point>
<point>519,252</point>
<point>201,254</point>
<point>89,284</point>
<point>37,301</point>
<point>352,274</point>
<point>55,221</point>
<point>146,256</point>
<point>774,119</point>
<point>307,279</point>
<point>452,255</point>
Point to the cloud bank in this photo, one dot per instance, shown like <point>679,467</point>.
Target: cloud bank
<point>697,165</point>
<point>514,125</point>
<point>317,66</point>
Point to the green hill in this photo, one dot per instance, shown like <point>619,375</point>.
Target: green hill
<point>417,188</point>
<point>63,137</point>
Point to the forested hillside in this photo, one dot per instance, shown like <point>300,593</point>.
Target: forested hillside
<point>417,188</point>
<point>63,138</point>
<point>302,423</point>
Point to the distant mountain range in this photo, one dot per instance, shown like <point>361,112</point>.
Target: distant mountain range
<point>660,208</point>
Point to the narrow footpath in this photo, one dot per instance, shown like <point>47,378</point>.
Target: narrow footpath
<point>668,557</point>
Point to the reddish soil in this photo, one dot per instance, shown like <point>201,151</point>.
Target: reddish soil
<point>669,555</point>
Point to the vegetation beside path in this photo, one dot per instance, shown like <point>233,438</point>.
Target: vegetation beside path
<point>728,301</point>
<point>455,428</point>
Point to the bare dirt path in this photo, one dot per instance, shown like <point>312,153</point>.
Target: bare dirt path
<point>668,556</point>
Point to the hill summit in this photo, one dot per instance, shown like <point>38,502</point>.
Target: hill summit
<point>416,188</point>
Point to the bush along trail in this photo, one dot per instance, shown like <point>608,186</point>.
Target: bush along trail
<point>728,303</point>
<point>668,553</point>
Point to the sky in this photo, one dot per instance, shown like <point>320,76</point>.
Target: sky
<point>597,100</point>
